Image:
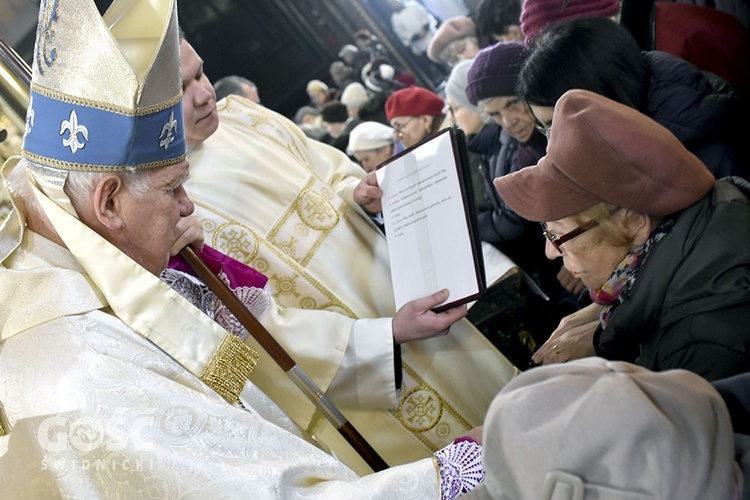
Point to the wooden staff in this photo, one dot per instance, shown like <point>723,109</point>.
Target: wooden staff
<point>321,401</point>
<point>284,360</point>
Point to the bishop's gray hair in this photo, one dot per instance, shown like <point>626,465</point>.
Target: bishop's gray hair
<point>78,186</point>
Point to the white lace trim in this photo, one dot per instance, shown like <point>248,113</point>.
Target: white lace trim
<point>461,469</point>
<point>257,300</point>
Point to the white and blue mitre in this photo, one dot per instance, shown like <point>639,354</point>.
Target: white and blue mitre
<point>106,93</point>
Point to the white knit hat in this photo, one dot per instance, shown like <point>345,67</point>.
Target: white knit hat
<point>596,429</point>
<point>314,85</point>
<point>355,95</point>
<point>369,135</point>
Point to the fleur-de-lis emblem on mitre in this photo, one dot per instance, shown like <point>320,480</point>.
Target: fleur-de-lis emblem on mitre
<point>167,132</point>
<point>30,116</point>
<point>73,129</point>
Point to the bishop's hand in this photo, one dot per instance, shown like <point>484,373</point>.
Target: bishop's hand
<point>189,232</point>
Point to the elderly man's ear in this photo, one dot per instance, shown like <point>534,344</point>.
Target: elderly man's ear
<point>108,202</point>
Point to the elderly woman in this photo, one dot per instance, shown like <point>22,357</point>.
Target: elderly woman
<point>663,247</point>
<point>414,113</point>
<point>371,143</point>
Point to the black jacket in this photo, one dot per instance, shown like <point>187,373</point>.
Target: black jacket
<point>499,153</point>
<point>519,239</point>
<point>690,304</point>
<point>702,110</point>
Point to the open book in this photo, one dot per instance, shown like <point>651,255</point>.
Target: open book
<point>430,221</point>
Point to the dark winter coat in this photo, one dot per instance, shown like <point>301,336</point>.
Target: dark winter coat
<point>690,304</point>
<point>702,110</point>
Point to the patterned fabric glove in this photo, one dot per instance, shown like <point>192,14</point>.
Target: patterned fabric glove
<point>460,466</point>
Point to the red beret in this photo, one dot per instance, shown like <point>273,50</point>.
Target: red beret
<point>413,101</point>
<point>603,151</point>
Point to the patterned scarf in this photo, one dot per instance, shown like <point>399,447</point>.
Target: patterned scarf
<point>617,288</point>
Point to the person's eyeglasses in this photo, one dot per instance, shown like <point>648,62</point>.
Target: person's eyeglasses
<point>557,241</point>
<point>399,127</point>
<point>451,109</point>
<point>544,129</point>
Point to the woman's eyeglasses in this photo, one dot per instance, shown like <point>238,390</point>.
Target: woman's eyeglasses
<point>557,241</point>
<point>399,127</point>
<point>544,129</point>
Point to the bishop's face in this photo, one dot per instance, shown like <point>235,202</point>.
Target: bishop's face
<point>149,220</point>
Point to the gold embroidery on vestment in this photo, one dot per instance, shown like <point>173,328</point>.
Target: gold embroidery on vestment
<point>285,286</point>
<point>422,410</point>
<point>263,122</point>
<point>235,241</point>
<point>257,260</point>
<point>316,211</point>
<point>313,211</point>
<point>230,367</point>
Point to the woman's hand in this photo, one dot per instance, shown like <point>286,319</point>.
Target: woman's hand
<point>573,338</point>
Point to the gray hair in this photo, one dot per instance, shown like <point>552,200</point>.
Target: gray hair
<point>78,185</point>
<point>232,85</point>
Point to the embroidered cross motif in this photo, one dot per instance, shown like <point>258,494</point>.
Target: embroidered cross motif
<point>168,131</point>
<point>73,129</point>
<point>30,116</point>
<point>420,409</point>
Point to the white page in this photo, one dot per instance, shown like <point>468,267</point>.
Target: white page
<point>429,245</point>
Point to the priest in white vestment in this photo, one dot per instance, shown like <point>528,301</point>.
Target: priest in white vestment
<point>111,383</point>
<point>284,204</point>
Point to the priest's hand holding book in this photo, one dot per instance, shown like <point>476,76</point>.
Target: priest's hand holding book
<point>417,320</point>
<point>368,194</point>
